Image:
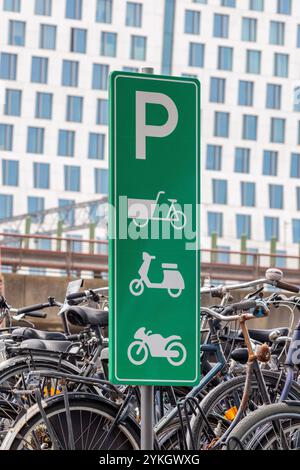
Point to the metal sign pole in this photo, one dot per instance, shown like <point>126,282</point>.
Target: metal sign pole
<point>147,400</point>
<point>147,391</point>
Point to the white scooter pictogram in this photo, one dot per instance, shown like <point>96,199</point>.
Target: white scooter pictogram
<point>171,348</point>
<point>172,278</point>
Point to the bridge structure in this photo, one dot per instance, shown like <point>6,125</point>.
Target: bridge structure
<point>63,258</point>
<point>48,241</point>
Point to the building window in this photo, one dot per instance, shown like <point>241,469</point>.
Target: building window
<point>270,163</point>
<point>67,211</point>
<point>247,194</point>
<point>12,5</point>
<point>297,99</point>
<point>35,140</point>
<point>8,66</point>
<point>6,206</point>
<point>192,22</point>
<point>34,205</point>
<point>284,7</point>
<point>43,106</point>
<point>276,196</point>
<point>39,70</point>
<point>217,90</point>
<point>221,127</point>
<point>214,157</point>
<point>277,130</point>
<point>204,2</point>
<point>249,127</point>
<point>72,178</point>
<point>13,100</point>
<point>104,11</point>
<point>47,36</point>
<point>96,146</point>
<point>101,181</point>
<point>10,172</point>
<point>295,165</point>
<point>256,5</point>
<point>134,14</point>
<point>16,35</point>
<point>253,61</point>
<point>138,47</point>
<point>6,137</point>
<point>242,160</point>
<point>196,55</point>
<point>108,44</point>
<point>70,73</point>
<point>221,26</point>
<point>41,175</point>
<point>273,96</point>
<point>296,230</point>
<point>74,108</point>
<point>249,28</point>
<point>78,40</point>
<point>43,7</point>
<point>271,228</point>
<point>281,65</point>
<point>100,76</point>
<point>277,33</point>
<point>130,69</point>
<point>74,9</point>
<point>219,191</point>
<point>66,143</point>
<point>228,3</point>
<point>215,223</point>
<point>102,112</point>
<point>225,58</point>
<point>243,226</point>
<point>246,93</point>
<point>298,198</point>
<point>298,35</point>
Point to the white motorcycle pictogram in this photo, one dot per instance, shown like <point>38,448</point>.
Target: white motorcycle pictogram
<point>171,348</point>
<point>172,278</point>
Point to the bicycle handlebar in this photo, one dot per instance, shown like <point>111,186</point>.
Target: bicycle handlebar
<point>32,308</point>
<point>288,287</point>
<point>36,314</point>
<point>86,293</point>
<point>244,305</point>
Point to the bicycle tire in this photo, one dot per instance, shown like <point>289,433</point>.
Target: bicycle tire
<point>261,423</point>
<point>125,436</point>
<point>224,391</point>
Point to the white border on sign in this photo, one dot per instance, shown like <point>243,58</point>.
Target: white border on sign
<point>142,381</point>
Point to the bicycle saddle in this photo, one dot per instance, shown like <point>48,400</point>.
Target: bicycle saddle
<point>240,355</point>
<point>31,333</point>
<point>51,346</point>
<point>263,335</point>
<point>84,316</point>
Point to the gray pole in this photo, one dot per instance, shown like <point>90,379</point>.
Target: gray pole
<point>147,403</point>
<point>147,391</point>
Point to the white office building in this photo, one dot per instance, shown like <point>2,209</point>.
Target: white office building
<point>55,57</point>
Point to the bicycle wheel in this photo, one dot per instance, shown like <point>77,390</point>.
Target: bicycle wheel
<point>272,427</point>
<point>91,427</point>
<point>220,406</point>
<point>13,375</point>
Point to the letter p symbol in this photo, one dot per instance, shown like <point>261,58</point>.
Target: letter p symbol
<point>142,129</point>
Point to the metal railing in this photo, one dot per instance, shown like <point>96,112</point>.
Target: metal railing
<point>34,253</point>
<point>42,252</point>
<point>234,265</point>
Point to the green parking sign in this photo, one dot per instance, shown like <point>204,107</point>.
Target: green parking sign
<point>154,258</point>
